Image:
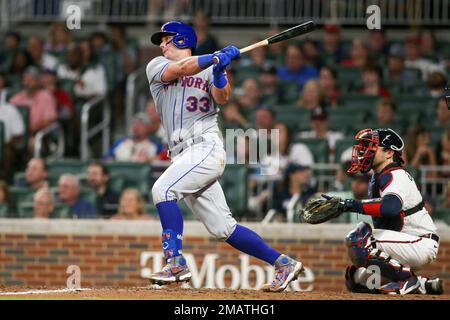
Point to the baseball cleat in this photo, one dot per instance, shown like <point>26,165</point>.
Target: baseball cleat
<point>431,286</point>
<point>409,286</point>
<point>286,271</point>
<point>175,270</point>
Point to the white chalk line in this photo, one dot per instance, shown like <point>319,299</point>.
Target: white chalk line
<point>43,291</point>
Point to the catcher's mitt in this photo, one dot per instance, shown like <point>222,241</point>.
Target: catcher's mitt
<point>320,210</point>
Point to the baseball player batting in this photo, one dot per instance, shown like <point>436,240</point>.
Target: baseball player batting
<point>404,237</point>
<point>187,90</point>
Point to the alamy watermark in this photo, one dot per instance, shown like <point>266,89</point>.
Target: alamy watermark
<point>74,280</point>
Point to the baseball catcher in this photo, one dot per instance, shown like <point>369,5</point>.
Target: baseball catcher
<point>404,237</point>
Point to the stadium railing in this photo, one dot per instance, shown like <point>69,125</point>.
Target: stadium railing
<point>350,12</point>
<point>102,127</point>
<point>137,85</point>
<point>53,132</point>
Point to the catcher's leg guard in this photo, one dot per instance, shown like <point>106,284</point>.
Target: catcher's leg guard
<point>363,253</point>
<point>358,242</point>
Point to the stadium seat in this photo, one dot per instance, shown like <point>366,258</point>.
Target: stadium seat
<point>136,175</point>
<point>341,119</point>
<point>414,109</point>
<point>58,167</point>
<point>295,118</point>
<point>2,143</point>
<point>359,101</point>
<point>341,146</point>
<point>4,210</point>
<point>318,147</point>
<point>61,211</point>
<point>18,196</point>
<point>442,214</point>
<point>234,184</point>
<point>290,90</point>
<point>349,78</point>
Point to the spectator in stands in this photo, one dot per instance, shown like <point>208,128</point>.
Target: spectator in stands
<point>60,38</point>
<point>377,44</point>
<point>69,194</point>
<point>300,154</point>
<point>359,55</point>
<point>98,179</point>
<point>436,81</point>
<point>396,73</point>
<point>41,58</point>
<point>126,63</point>
<point>250,96</point>
<point>418,149</point>
<point>414,58</point>
<point>372,76</point>
<point>36,175</point>
<point>5,198</point>
<point>312,96</point>
<point>139,147</point>
<point>99,44</point>
<point>266,119</point>
<point>295,68</point>
<point>443,114</point>
<point>328,84</point>
<point>40,101</point>
<point>428,46</point>
<point>444,150</point>
<point>320,129</point>
<point>257,57</point>
<point>89,80</point>
<point>64,102</point>
<point>43,204</point>
<point>312,53</point>
<point>295,190</point>
<point>14,128</point>
<point>271,91</point>
<point>92,81</point>
<point>332,49</point>
<point>386,114</point>
<point>11,46</point>
<point>276,51</point>
<point>131,207</point>
<point>233,116</point>
<point>21,60</point>
<point>206,43</point>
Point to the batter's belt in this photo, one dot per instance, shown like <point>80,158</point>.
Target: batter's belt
<point>179,148</point>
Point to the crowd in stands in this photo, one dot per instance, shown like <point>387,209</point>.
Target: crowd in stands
<point>316,92</point>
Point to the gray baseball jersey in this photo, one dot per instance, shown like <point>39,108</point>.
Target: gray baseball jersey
<point>183,104</point>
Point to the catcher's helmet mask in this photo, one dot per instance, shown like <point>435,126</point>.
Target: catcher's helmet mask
<point>369,140</point>
<point>183,35</point>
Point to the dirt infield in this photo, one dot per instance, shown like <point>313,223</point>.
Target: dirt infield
<point>177,293</point>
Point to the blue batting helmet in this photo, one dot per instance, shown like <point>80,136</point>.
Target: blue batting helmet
<point>184,35</point>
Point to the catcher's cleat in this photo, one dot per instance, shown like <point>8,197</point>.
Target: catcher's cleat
<point>286,271</point>
<point>350,283</point>
<point>175,270</point>
<point>431,286</point>
<point>409,286</point>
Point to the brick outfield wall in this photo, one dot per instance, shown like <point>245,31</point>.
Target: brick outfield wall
<point>110,254</point>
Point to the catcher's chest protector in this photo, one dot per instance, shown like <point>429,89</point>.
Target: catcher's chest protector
<point>379,182</point>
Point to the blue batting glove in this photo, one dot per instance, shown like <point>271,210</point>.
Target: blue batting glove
<point>223,60</point>
<point>232,52</point>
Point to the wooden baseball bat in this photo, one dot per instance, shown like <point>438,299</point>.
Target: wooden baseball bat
<point>284,35</point>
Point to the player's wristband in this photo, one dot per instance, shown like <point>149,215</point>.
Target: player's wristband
<point>206,60</point>
<point>219,80</point>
